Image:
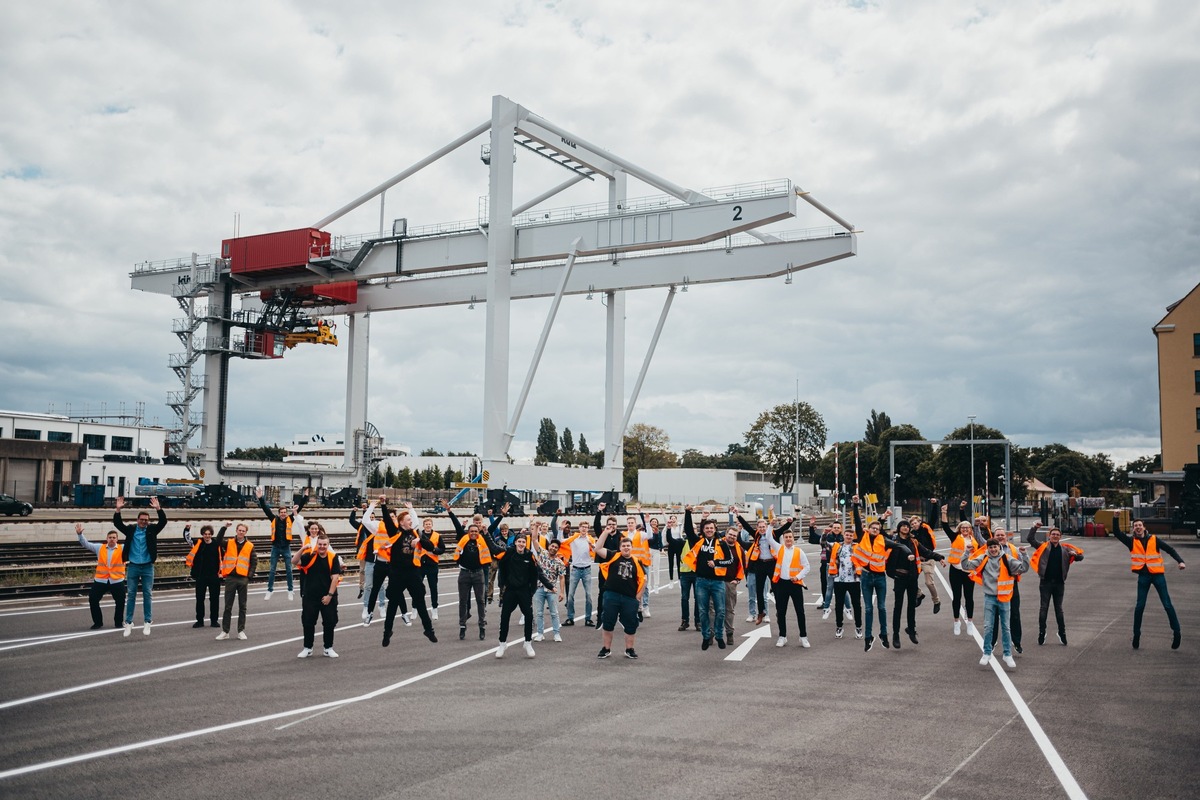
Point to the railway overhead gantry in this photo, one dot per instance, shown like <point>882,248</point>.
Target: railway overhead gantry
<point>290,282</point>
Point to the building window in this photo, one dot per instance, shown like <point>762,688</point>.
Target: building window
<point>1196,344</point>
<point>26,433</point>
<point>93,441</point>
<point>58,436</point>
<point>124,444</point>
<point>95,480</point>
<point>110,480</point>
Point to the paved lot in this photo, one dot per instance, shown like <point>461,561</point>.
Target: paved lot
<point>177,714</point>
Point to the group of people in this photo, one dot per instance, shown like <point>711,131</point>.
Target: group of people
<point>545,564</point>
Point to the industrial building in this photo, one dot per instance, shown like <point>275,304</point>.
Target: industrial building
<point>677,487</point>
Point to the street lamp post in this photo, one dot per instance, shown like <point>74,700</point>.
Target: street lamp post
<point>971,417</point>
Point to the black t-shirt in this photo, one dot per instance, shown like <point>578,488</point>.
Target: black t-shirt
<point>622,577</point>
<point>319,576</point>
<point>1054,573</point>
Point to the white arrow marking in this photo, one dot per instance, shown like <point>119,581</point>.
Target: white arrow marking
<point>743,649</point>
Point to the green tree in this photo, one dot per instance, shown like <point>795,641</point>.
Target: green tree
<point>913,465</point>
<point>954,465</point>
<point>1070,469</point>
<point>429,451</point>
<point>1037,455</point>
<point>1143,465</point>
<point>645,447</point>
<point>877,423</point>
<point>375,479</point>
<point>404,478</point>
<point>389,476</point>
<point>272,452</point>
<point>547,442</point>
<point>691,458</point>
<point>567,447</point>
<point>435,478</point>
<point>584,452</point>
<point>777,435</point>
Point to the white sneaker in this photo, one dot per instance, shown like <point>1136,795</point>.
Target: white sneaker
<point>367,620</point>
<point>970,627</point>
<point>406,620</point>
<point>557,637</point>
<point>305,653</point>
<point>825,613</point>
<point>434,615</point>
<point>267,596</point>
<point>500,649</point>
<point>222,636</point>
<point>537,637</point>
<point>521,621</point>
<point>529,650</point>
<point>292,596</point>
<point>1008,662</point>
<point>646,612</point>
<point>146,629</point>
<point>128,629</point>
<point>804,642</point>
<point>957,627</point>
<point>781,641</point>
<point>750,618</point>
<point>837,634</point>
<point>858,633</point>
<point>364,614</point>
<point>242,635</point>
<point>330,652</point>
<point>984,659</point>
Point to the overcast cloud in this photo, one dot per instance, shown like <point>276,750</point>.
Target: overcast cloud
<point>1024,175</point>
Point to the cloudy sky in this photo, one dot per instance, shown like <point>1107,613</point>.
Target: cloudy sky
<point>1024,175</point>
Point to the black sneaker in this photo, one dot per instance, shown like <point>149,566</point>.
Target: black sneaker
<point>568,623</point>
<point>720,643</point>
<point>462,632</point>
<point>640,619</point>
<point>387,638</point>
<point>683,626</point>
<point>430,635</point>
<point>199,624</point>
<point>1042,637</point>
<point>936,607</point>
<point>98,625</point>
<point>920,599</point>
<point>588,623</point>
<point>1062,638</point>
<point>360,592</point>
<point>704,645</point>
<point>870,643</point>
<point>1017,647</point>
<point>1137,641</point>
<point>630,653</point>
<point>482,633</point>
<point>883,638</point>
<point>604,651</point>
<point>1174,640</point>
<point>912,636</point>
<point>895,639</point>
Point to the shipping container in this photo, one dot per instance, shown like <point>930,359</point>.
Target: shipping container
<point>325,294</point>
<point>279,253</point>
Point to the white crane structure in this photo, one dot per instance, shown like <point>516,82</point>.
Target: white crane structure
<point>678,239</point>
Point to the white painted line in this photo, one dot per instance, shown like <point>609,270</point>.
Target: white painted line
<point>178,737</point>
<point>752,638</point>
<point>1061,771</point>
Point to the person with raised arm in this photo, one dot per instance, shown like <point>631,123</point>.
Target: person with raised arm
<point>579,551</point>
<point>711,560</point>
<point>109,577</point>
<point>872,549</point>
<point>964,541</point>
<point>473,552</point>
<point>1051,561</point>
<point>996,571</point>
<point>624,581</point>
<point>321,573</point>
<point>237,567</point>
<point>407,547</point>
<point>760,562</point>
<point>140,551</point>
<point>903,568</point>
<point>372,570</point>
<point>281,538</point>
<point>204,564</point>
<point>1146,561</point>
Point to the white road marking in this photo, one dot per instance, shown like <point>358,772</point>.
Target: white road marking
<point>752,638</point>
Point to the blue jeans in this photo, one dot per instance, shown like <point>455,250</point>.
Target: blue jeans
<point>710,591</point>
<point>752,579</point>
<point>580,576</point>
<point>875,582</point>
<point>280,551</point>
<point>543,598</point>
<point>687,594</point>
<point>1145,581</point>
<point>139,575</point>
<point>368,568</point>
<point>992,605</point>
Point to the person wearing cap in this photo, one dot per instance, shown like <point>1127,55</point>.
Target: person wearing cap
<point>321,573</point>
<point>1145,552</point>
<point>1051,561</point>
<point>963,542</point>
<point>624,581</point>
<point>996,571</point>
<point>204,564</point>
<point>109,577</point>
<point>518,577</point>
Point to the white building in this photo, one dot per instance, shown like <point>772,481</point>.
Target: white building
<point>724,486</point>
<point>117,456</point>
<point>330,451</point>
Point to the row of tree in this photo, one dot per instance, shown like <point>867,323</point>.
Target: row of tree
<point>428,478</point>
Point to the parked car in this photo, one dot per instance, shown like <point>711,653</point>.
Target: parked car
<point>11,505</point>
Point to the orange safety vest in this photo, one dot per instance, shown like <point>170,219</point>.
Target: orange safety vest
<point>237,559</point>
<point>870,553</point>
<point>564,547</point>
<point>833,560</point>
<point>740,560</point>
<point>383,544</point>
<point>689,557</point>
<point>957,549</point>
<point>191,557</point>
<point>1037,555</point>
<point>113,570</point>
<point>329,555</point>
<point>434,537</point>
<point>485,552</point>
<point>1004,582</point>
<point>1146,555</point>
<point>641,547</point>
<point>795,566</point>
<point>641,573</point>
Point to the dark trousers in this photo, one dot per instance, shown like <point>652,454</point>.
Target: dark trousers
<point>382,571</point>
<point>824,578</point>
<point>213,587</point>
<point>235,586</point>
<point>430,573</point>
<point>471,580</point>
<point>840,590</point>
<point>97,591</point>
<point>674,557</point>
<point>314,608</point>
<point>786,591</point>
<point>513,599</point>
<point>765,569</point>
<point>410,581</point>
<point>962,593</point>
<point>1051,591</point>
<point>1014,618</point>
<point>904,586</point>
<point>687,596</point>
<point>1159,581</point>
